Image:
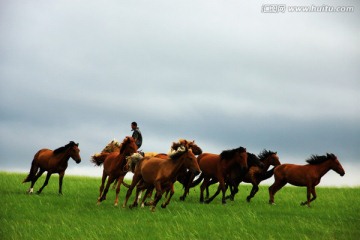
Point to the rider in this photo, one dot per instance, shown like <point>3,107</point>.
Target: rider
<point>136,134</point>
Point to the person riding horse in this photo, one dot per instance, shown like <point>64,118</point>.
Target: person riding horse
<point>136,134</point>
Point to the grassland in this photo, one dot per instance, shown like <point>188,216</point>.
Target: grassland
<point>75,215</point>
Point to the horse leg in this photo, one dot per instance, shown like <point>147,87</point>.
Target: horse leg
<point>277,185</point>
<point>147,194</point>
<point>115,183</point>
<point>119,181</point>
<point>135,180</point>
<point>31,189</point>
<point>310,190</point>
<point>171,194</point>
<point>45,183</point>
<point>61,177</point>
<point>253,191</point>
<point>220,188</point>
<point>202,188</point>
<point>103,196</point>
<point>187,187</point>
<point>158,195</point>
<point>137,196</point>
<point>103,179</point>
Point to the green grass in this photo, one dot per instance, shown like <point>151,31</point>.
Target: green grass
<point>75,215</point>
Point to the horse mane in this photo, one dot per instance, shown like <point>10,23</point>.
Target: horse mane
<point>252,159</point>
<point>125,142</point>
<point>265,153</point>
<point>316,159</point>
<point>176,153</point>
<point>227,154</point>
<point>64,148</point>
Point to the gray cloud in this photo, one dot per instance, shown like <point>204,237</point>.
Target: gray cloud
<point>222,73</point>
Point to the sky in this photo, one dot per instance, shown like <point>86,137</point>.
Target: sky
<point>223,73</point>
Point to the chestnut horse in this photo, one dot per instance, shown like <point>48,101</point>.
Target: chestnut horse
<point>114,168</point>
<point>184,177</point>
<point>305,175</point>
<point>255,174</point>
<point>218,166</point>
<point>53,162</point>
<point>159,173</point>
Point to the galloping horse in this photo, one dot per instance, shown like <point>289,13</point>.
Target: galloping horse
<point>185,177</point>
<point>114,164</point>
<point>255,174</point>
<point>53,162</point>
<point>305,175</point>
<point>218,166</point>
<point>159,173</point>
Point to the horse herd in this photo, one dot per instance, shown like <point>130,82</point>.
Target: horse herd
<point>187,164</point>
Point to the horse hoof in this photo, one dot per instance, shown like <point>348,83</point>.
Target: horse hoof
<point>248,199</point>
<point>223,202</point>
<point>152,209</point>
<point>163,205</point>
<point>115,204</point>
<point>182,198</point>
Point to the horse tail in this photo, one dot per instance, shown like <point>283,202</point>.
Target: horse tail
<point>99,158</point>
<point>268,174</point>
<point>33,171</point>
<point>197,181</point>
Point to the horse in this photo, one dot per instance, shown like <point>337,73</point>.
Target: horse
<point>218,166</point>
<point>255,174</point>
<point>235,176</point>
<point>52,161</point>
<point>114,168</point>
<point>160,173</point>
<point>308,175</point>
<point>185,176</point>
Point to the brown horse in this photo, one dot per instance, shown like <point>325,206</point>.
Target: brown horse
<point>255,174</point>
<point>53,162</point>
<point>159,173</point>
<point>214,166</point>
<point>305,175</point>
<point>114,168</point>
<point>185,177</point>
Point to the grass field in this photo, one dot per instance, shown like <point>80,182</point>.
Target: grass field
<point>75,215</point>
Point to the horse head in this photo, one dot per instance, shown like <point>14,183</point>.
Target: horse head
<point>75,152</point>
<point>128,146</point>
<point>335,164</point>
<point>270,157</point>
<point>132,161</point>
<point>238,155</point>
<point>185,153</point>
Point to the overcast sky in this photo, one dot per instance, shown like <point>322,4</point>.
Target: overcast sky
<point>219,72</point>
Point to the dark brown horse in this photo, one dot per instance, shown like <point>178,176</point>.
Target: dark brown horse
<point>214,166</point>
<point>159,173</point>
<point>114,168</point>
<point>255,174</point>
<point>53,162</point>
<point>305,175</point>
